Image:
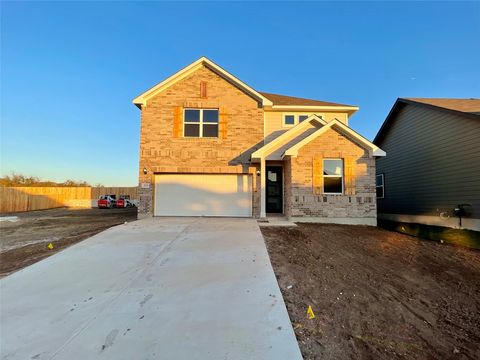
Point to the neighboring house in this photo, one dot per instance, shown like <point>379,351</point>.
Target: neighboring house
<point>433,162</point>
<point>210,145</point>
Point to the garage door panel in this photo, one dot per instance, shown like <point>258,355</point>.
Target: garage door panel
<point>203,195</point>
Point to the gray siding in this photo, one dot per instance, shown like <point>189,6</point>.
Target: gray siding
<point>432,162</point>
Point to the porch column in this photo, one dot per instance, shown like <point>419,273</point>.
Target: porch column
<point>263,212</point>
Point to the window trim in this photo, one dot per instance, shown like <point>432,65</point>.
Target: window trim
<point>306,117</point>
<point>334,176</point>
<point>382,186</point>
<point>289,125</point>
<point>296,119</point>
<point>200,123</point>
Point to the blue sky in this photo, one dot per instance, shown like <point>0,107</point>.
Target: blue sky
<point>70,70</point>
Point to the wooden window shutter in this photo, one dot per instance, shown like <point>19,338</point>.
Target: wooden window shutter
<point>177,122</point>
<point>203,89</point>
<point>222,123</point>
<point>349,175</point>
<point>317,175</point>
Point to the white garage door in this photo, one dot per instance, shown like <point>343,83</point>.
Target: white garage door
<point>203,195</point>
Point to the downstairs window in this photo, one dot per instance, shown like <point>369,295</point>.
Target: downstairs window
<point>333,176</point>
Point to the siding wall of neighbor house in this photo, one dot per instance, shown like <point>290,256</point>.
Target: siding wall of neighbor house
<point>161,152</point>
<point>300,199</point>
<point>274,120</point>
<point>432,162</point>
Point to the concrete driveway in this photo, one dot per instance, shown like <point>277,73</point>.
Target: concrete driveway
<point>162,288</point>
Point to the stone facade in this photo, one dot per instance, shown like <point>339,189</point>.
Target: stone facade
<point>161,152</point>
<point>300,200</point>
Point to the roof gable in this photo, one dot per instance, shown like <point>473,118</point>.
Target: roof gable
<point>179,75</point>
<point>301,134</point>
<point>342,129</point>
<point>287,136</point>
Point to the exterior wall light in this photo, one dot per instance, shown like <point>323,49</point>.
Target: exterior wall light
<point>258,172</point>
<point>145,171</point>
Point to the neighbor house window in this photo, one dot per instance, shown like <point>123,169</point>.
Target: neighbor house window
<point>380,186</point>
<point>291,119</point>
<point>333,176</point>
<point>200,123</point>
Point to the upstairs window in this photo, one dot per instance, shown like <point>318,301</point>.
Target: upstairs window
<point>293,119</point>
<point>200,123</point>
<point>380,186</point>
<point>333,176</point>
<point>289,120</point>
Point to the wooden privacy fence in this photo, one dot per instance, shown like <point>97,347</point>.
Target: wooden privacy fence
<point>99,191</point>
<point>27,198</point>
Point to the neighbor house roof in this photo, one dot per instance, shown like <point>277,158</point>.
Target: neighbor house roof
<point>288,143</point>
<point>463,105</point>
<point>467,107</point>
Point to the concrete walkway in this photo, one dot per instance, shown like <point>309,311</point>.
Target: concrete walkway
<point>162,288</point>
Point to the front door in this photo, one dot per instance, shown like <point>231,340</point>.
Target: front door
<point>274,191</point>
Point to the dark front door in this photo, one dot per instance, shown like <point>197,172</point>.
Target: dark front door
<point>274,191</point>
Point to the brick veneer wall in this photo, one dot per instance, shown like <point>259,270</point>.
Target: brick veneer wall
<point>160,152</point>
<point>300,200</point>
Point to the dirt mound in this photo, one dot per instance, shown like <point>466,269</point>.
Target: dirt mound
<point>377,294</point>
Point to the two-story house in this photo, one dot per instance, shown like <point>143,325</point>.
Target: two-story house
<point>210,145</point>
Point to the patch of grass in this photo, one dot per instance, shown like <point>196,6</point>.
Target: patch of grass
<point>463,237</point>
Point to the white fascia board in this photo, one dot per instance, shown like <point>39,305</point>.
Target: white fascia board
<point>141,99</point>
<point>376,151</point>
<point>286,136</point>
<point>379,152</point>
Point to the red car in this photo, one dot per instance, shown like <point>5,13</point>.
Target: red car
<point>106,202</point>
<point>124,202</point>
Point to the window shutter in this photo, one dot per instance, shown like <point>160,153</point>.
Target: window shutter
<point>349,174</point>
<point>317,176</point>
<point>222,123</point>
<point>177,122</point>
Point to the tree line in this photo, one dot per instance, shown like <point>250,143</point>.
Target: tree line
<point>21,180</point>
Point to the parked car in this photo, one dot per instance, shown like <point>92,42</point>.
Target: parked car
<point>106,202</point>
<point>124,202</point>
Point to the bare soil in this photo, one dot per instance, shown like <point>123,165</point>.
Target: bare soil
<point>24,242</point>
<point>377,294</point>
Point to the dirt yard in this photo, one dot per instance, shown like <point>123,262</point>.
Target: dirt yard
<point>377,294</point>
<point>24,241</point>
